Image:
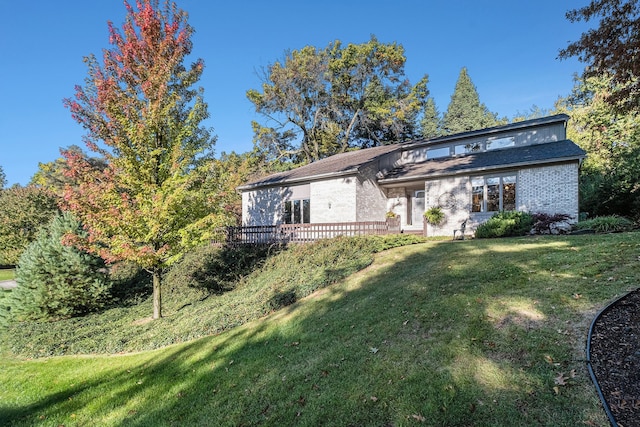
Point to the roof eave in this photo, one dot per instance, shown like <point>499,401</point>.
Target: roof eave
<point>303,179</point>
<point>470,171</point>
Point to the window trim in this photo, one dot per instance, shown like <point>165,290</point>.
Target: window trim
<point>297,211</point>
<point>510,178</point>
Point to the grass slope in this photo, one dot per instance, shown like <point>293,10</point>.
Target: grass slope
<point>7,274</point>
<point>477,333</point>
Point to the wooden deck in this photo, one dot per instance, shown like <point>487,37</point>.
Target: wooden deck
<point>303,233</point>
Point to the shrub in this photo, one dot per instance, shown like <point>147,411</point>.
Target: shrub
<point>130,283</point>
<point>606,224</point>
<point>544,223</point>
<point>209,269</point>
<point>57,281</point>
<point>434,215</point>
<point>505,224</point>
<point>23,210</point>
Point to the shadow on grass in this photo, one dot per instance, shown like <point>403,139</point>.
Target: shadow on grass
<point>462,333</point>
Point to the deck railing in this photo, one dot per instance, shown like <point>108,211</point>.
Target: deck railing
<point>301,233</point>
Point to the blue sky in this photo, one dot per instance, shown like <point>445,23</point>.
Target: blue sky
<point>509,48</point>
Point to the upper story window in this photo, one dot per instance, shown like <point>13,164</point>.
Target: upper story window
<point>297,211</point>
<point>467,148</point>
<point>497,143</point>
<point>436,153</point>
<point>493,193</point>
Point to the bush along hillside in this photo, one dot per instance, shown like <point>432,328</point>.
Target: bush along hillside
<point>197,308</point>
<point>513,223</point>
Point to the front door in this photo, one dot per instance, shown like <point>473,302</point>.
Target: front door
<point>417,208</point>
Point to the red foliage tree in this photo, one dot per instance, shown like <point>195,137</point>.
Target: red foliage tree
<point>143,117</point>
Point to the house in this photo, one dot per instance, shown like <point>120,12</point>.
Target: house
<point>525,166</point>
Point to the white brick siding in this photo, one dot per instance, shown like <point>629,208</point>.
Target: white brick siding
<point>455,195</point>
<point>371,200</point>
<point>548,189</point>
<point>334,200</point>
<point>262,207</point>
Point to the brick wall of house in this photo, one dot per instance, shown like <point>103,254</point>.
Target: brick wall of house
<point>453,194</point>
<point>334,200</point>
<point>371,199</point>
<point>397,203</point>
<point>549,189</point>
<point>262,207</point>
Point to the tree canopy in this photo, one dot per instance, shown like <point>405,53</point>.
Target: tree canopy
<point>23,210</point>
<point>611,49</point>
<point>54,176</point>
<point>465,111</point>
<point>610,175</point>
<point>319,102</point>
<point>143,116</point>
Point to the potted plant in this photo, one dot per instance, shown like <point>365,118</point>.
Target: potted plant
<point>434,216</point>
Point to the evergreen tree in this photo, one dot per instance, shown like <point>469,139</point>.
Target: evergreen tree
<point>56,280</point>
<point>3,178</point>
<point>465,111</point>
<point>430,123</point>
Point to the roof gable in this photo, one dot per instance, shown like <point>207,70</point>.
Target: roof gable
<point>336,165</point>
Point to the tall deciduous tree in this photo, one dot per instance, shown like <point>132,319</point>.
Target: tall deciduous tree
<point>610,175</point>
<point>23,210</point>
<point>319,102</point>
<point>144,118</point>
<point>465,111</point>
<point>54,176</point>
<point>612,49</point>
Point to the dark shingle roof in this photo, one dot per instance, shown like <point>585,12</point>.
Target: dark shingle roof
<point>339,164</point>
<point>509,157</point>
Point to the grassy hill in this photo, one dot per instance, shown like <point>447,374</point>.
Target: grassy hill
<point>477,333</point>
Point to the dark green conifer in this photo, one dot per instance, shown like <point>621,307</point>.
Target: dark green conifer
<point>465,111</point>
<point>57,280</point>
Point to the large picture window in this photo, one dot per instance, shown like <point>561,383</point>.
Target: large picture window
<point>297,211</point>
<point>493,194</point>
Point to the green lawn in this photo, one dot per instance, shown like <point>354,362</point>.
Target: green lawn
<point>7,273</point>
<point>465,333</point>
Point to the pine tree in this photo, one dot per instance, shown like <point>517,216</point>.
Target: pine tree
<point>465,112</point>
<point>430,123</point>
<point>56,280</point>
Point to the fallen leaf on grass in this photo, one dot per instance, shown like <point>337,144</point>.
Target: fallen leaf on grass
<point>373,350</point>
<point>560,379</point>
<point>419,418</point>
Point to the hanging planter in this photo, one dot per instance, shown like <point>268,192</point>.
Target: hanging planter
<point>434,216</point>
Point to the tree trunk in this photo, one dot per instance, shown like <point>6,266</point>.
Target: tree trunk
<point>157,296</point>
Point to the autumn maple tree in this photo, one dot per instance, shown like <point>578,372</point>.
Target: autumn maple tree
<point>143,116</point>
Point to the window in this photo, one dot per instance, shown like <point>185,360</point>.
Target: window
<point>435,153</point>
<point>494,144</point>
<point>473,147</point>
<point>493,194</point>
<point>297,211</point>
